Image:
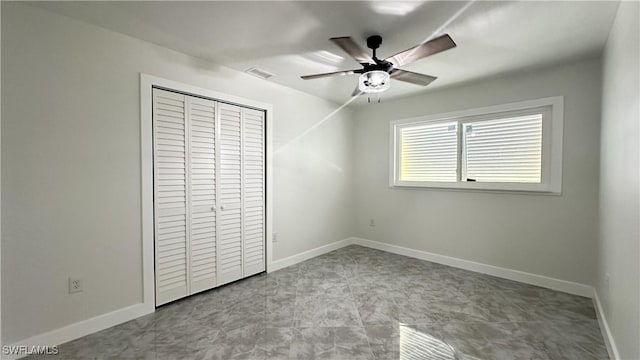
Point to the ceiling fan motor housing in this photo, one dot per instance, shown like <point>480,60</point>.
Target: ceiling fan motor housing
<point>380,65</point>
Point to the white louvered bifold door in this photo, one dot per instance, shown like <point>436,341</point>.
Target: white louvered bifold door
<point>170,196</point>
<point>253,170</point>
<point>229,193</point>
<point>201,115</point>
<point>209,193</point>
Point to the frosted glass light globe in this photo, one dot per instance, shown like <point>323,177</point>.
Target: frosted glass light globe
<point>374,81</point>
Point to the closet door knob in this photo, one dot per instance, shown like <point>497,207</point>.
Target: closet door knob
<point>213,208</point>
<point>221,207</point>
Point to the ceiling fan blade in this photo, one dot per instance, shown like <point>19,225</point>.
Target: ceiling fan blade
<point>417,52</point>
<point>356,92</point>
<point>352,48</point>
<point>317,76</point>
<point>412,77</point>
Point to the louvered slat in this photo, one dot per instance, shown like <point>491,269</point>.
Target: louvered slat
<point>229,189</point>
<point>429,152</point>
<point>170,192</point>
<point>253,129</point>
<point>504,150</point>
<point>202,194</point>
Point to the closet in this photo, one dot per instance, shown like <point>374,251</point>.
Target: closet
<point>209,193</point>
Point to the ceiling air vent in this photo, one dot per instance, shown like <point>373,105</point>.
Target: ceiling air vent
<point>262,74</point>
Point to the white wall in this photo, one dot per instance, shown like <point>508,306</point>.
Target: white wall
<point>619,245</point>
<point>71,165</point>
<point>547,235</point>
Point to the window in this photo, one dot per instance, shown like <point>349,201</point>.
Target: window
<point>429,152</point>
<point>513,147</point>
<point>503,150</point>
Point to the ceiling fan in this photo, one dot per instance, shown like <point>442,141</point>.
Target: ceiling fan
<point>376,73</point>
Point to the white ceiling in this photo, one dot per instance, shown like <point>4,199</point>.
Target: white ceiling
<point>290,38</point>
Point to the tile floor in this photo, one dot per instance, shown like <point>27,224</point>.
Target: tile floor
<point>359,303</point>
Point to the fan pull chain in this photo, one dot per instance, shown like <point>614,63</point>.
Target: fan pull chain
<point>369,99</point>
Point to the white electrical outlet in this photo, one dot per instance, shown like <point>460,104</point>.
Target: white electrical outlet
<point>75,285</point>
<point>372,222</point>
<point>274,237</point>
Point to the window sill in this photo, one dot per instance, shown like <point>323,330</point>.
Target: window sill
<point>522,188</point>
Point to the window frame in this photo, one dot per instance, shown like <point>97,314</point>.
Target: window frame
<point>552,110</point>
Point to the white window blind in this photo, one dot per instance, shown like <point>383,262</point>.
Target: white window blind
<point>429,152</point>
<point>511,147</point>
<point>503,150</point>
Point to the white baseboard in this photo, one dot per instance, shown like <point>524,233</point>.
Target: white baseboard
<point>294,259</point>
<point>612,349</point>
<point>84,327</point>
<point>516,275</point>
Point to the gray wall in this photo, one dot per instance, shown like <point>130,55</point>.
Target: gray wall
<point>619,245</point>
<point>71,165</point>
<point>546,235</point>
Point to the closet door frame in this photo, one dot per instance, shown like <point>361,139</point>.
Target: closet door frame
<point>147,83</point>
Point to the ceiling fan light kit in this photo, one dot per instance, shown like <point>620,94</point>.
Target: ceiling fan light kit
<point>376,74</point>
<point>375,81</point>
